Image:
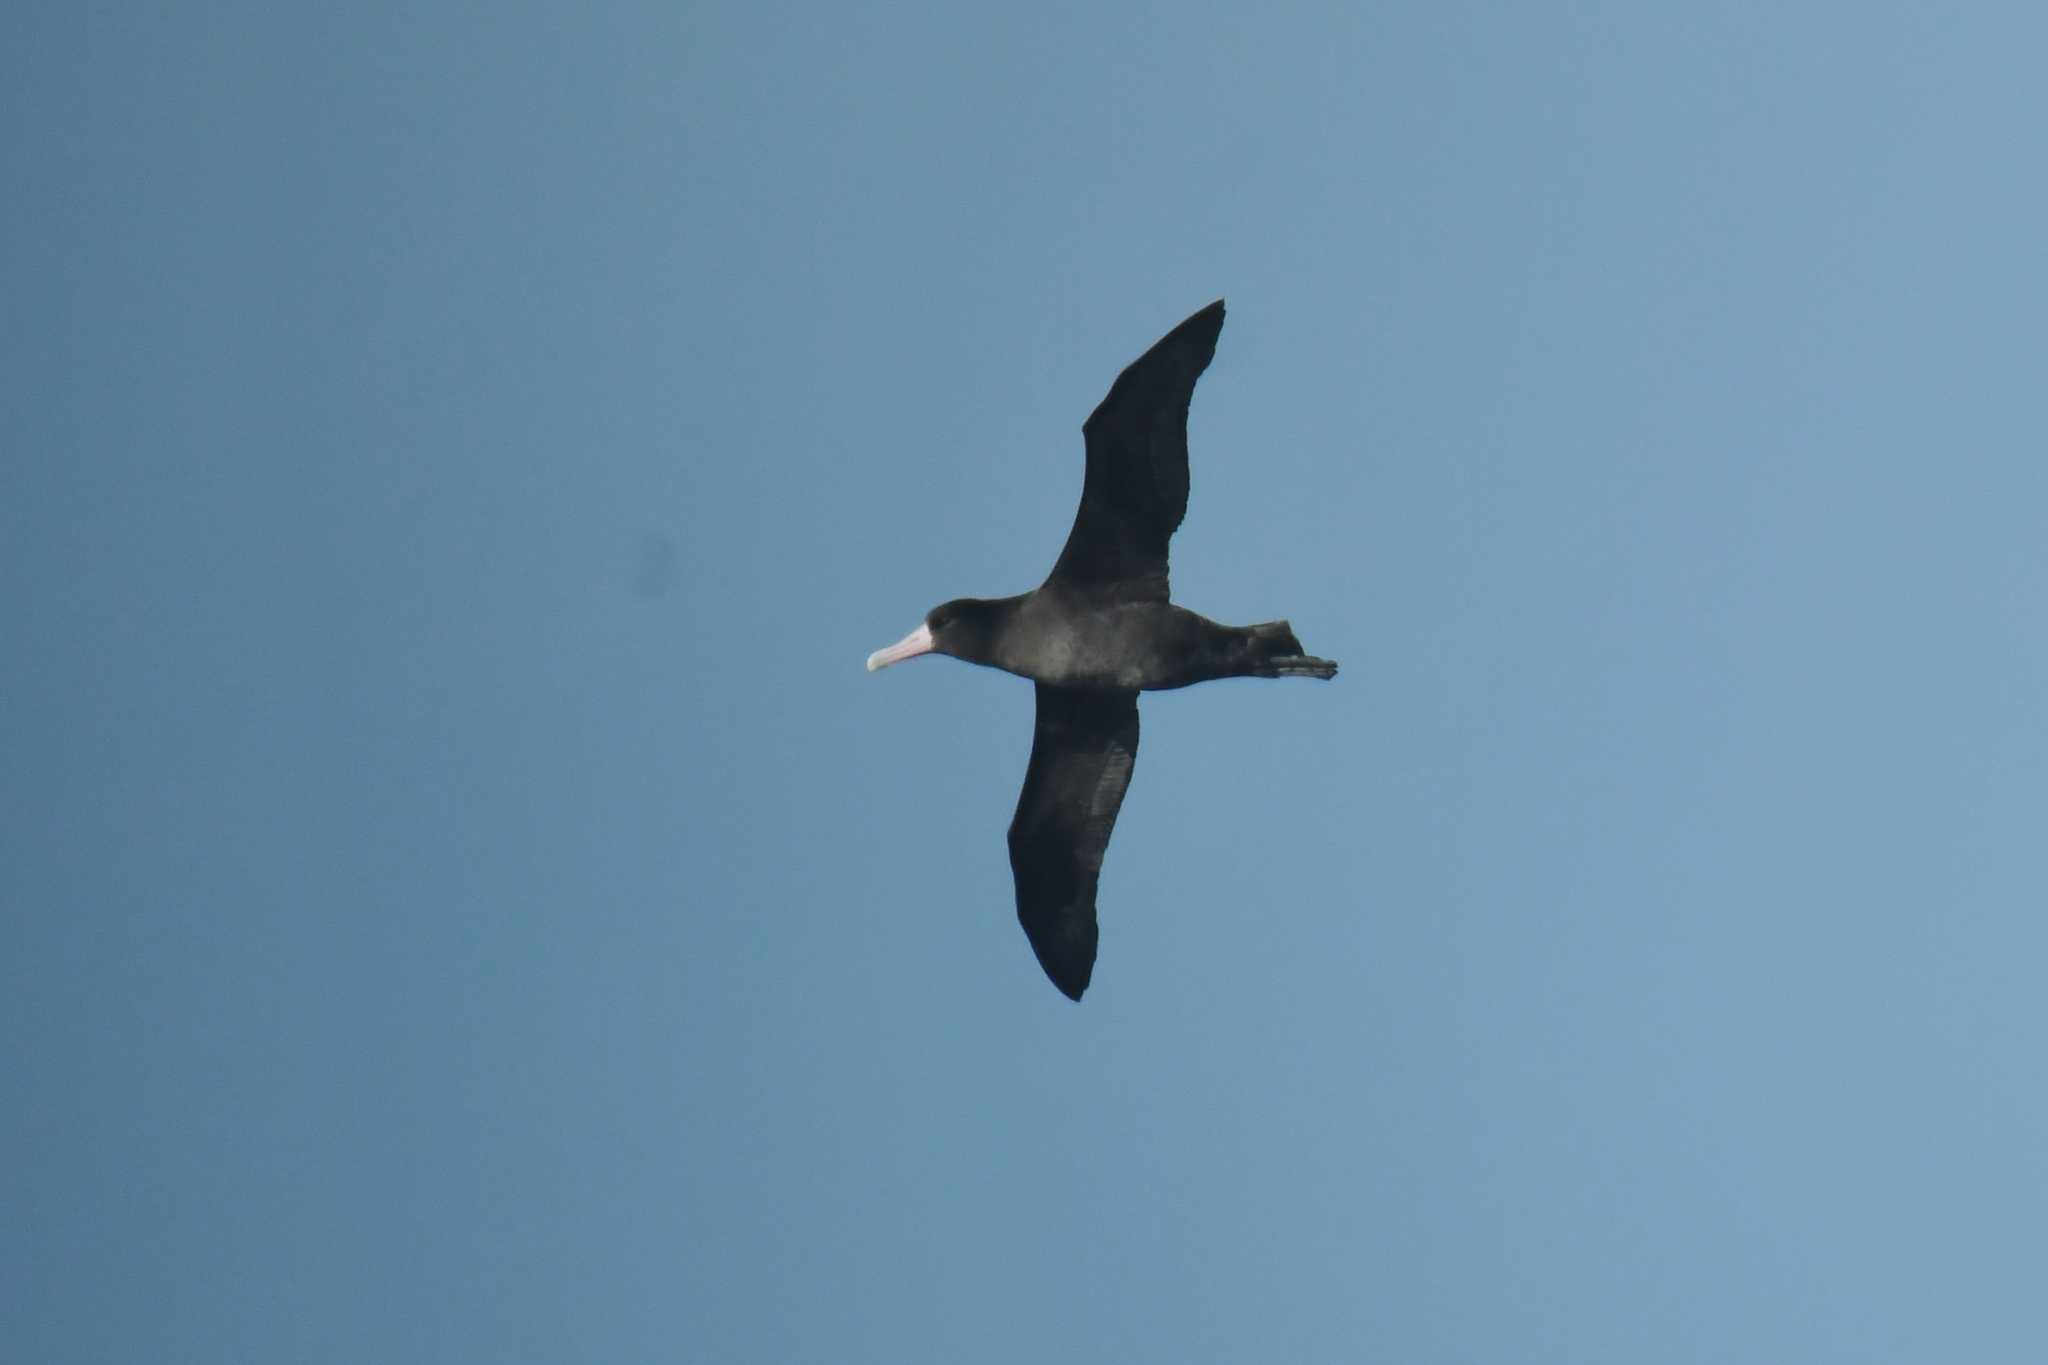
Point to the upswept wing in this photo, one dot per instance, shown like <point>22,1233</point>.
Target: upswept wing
<point>1136,489</point>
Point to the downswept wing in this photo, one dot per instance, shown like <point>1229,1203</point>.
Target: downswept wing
<point>1081,757</point>
<point>1136,489</point>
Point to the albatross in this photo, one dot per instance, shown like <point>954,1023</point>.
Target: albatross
<point>1101,629</point>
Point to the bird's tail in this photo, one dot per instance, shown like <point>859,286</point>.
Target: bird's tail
<point>1275,653</point>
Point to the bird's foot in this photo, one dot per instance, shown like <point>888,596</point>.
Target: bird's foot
<point>1299,666</point>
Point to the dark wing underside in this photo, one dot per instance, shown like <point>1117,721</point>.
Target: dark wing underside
<point>1136,490</point>
<point>1081,757</point>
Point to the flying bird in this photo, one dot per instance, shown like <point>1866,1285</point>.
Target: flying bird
<point>1098,631</point>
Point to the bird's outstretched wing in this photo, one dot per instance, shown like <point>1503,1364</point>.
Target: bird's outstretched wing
<point>1081,757</point>
<point>1136,490</point>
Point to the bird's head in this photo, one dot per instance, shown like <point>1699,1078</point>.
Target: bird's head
<point>965,628</point>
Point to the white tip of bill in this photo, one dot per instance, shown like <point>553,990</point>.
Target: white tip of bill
<point>918,642</point>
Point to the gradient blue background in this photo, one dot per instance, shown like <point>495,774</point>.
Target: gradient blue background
<point>465,902</point>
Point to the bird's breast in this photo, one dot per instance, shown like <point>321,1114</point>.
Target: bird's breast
<point>1122,646</point>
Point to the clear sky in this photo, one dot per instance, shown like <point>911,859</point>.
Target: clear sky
<point>464,900</point>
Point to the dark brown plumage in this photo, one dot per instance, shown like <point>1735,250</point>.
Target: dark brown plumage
<point>1099,630</point>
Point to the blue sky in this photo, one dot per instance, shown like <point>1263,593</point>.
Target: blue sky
<point>464,900</point>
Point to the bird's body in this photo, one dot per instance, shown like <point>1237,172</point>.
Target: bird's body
<point>1098,644</point>
<point>1100,630</point>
